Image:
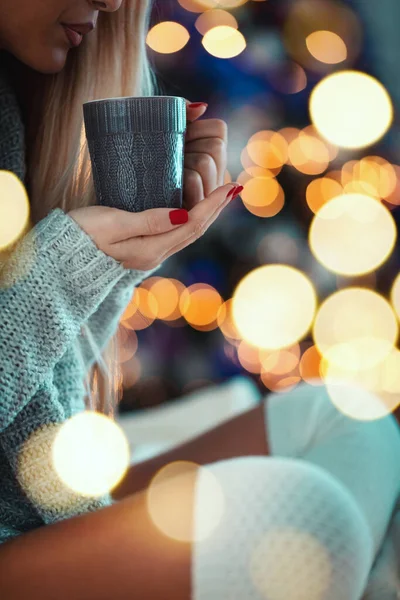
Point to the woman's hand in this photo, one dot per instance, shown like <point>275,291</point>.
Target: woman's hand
<point>205,155</point>
<point>144,240</point>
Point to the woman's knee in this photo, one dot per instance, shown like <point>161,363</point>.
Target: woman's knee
<point>287,530</point>
<point>364,456</point>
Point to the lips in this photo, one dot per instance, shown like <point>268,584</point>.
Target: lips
<point>73,37</point>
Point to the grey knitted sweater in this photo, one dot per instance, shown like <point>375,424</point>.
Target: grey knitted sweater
<point>70,282</point>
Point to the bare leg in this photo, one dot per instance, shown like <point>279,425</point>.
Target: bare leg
<point>115,553</point>
<point>244,435</point>
<point>118,553</point>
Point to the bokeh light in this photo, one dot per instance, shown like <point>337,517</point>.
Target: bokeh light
<point>34,459</point>
<point>141,311</point>
<point>371,175</point>
<point>320,191</point>
<point>226,323</point>
<point>252,170</point>
<point>199,305</point>
<point>352,234</point>
<point>268,149</point>
<point>166,292</point>
<point>14,224</point>
<point>393,199</point>
<point>332,149</point>
<point>351,109</point>
<point>279,383</point>
<point>357,326</point>
<point>263,196</point>
<point>290,78</point>
<point>280,368</point>
<point>310,366</point>
<point>91,453</point>
<point>327,47</point>
<point>198,6</point>
<point>167,37</point>
<point>320,34</point>
<point>364,394</point>
<point>395,295</point>
<point>224,42</point>
<point>308,154</point>
<point>284,551</point>
<point>249,357</point>
<point>214,18</point>
<point>280,362</point>
<point>289,133</point>
<point>273,306</point>
<point>14,209</point>
<point>185,501</point>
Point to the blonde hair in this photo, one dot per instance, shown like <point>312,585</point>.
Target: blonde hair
<point>110,62</point>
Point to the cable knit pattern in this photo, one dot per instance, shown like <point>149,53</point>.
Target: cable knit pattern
<point>55,281</point>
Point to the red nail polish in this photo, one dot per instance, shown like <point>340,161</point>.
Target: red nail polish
<point>197,104</point>
<point>231,192</point>
<point>178,216</point>
<point>237,191</point>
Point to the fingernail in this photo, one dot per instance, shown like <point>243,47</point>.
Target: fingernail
<point>231,191</point>
<point>178,216</point>
<point>237,191</point>
<point>197,104</point>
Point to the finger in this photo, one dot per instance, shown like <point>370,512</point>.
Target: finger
<point>190,240</point>
<point>205,166</point>
<point>153,221</point>
<point>144,252</point>
<point>216,147</point>
<point>195,112</point>
<point>199,218</point>
<point>207,128</point>
<point>193,190</point>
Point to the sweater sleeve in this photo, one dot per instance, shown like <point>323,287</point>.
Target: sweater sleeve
<point>54,280</point>
<point>103,323</point>
<point>28,444</point>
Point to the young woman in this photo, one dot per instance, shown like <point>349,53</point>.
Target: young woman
<point>307,522</point>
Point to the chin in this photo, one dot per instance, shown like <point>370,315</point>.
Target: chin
<point>51,63</point>
<point>48,63</point>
